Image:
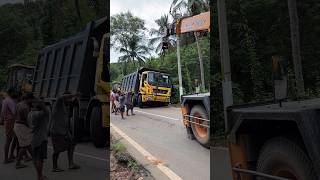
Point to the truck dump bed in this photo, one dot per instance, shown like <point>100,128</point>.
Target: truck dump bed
<point>69,64</point>
<point>130,83</point>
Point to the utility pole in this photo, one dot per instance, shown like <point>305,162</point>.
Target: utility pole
<point>225,58</point>
<point>179,67</point>
<point>295,44</point>
<point>203,86</point>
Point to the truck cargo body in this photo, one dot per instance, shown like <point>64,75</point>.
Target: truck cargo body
<point>70,66</point>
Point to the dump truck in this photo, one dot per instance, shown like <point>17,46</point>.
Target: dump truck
<point>195,108</point>
<point>79,64</point>
<point>19,78</point>
<point>149,86</point>
<point>277,139</point>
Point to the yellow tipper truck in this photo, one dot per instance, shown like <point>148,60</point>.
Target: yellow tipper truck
<point>149,86</point>
<point>79,64</point>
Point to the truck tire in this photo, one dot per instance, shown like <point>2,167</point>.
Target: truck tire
<point>283,157</point>
<point>75,124</point>
<point>202,134</point>
<point>98,134</point>
<point>140,103</point>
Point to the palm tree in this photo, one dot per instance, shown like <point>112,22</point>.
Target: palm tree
<point>133,51</point>
<point>161,34</point>
<point>192,7</point>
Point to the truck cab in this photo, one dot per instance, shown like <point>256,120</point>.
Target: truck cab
<point>20,78</point>
<point>154,86</point>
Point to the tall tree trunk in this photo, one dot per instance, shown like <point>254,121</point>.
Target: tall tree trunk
<point>295,43</point>
<point>200,61</point>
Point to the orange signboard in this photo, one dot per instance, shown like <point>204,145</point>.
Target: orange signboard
<point>198,22</point>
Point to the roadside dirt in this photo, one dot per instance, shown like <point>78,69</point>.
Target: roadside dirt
<point>124,166</point>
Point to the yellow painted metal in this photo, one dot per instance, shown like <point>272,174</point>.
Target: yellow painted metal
<point>102,87</point>
<point>148,94</point>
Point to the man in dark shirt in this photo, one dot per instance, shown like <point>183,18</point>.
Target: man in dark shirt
<point>129,103</point>
<point>122,99</point>
<point>38,120</point>
<point>60,133</point>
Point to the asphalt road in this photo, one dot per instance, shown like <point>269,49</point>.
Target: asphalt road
<point>93,164</point>
<point>160,131</point>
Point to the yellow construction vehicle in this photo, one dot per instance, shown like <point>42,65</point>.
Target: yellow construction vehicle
<point>149,86</point>
<point>19,78</point>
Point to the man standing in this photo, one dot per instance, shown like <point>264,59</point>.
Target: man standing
<point>122,104</point>
<point>60,132</point>
<point>38,120</point>
<point>8,111</point>
<point>129,103</point>
<point>22,129</point>
<point>112,98</point>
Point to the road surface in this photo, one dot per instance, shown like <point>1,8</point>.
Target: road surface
<point>160,132</point>
<point>93,164</point>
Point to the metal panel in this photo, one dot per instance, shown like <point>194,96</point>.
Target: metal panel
<point>65,66</point>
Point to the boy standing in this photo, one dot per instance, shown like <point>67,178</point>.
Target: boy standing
<point>38,120</point>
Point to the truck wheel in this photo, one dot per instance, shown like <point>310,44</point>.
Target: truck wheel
<point>99,135</point>
<point>283,157</point>
<point>201,132</point>
<point>140,104</point>
<point>75,124</point>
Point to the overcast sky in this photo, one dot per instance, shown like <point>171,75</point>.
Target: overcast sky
<point>148,10</point>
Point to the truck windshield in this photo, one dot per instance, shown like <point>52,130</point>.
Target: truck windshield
<point>159,79</point>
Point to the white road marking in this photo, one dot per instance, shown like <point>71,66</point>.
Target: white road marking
<point>159,115</point>
<point>86,155</point>
<point>168,172</point>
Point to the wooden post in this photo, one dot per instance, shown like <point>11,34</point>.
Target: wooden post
<point>295,43</point>
<point>225,59</point>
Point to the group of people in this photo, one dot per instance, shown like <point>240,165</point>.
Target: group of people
<point>121,101</point>
<point>26,124</point>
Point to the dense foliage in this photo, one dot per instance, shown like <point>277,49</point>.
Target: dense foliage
<point>26,28</point>
<point>258,30</point>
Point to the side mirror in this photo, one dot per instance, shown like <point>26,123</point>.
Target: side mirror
<point>280,80</point>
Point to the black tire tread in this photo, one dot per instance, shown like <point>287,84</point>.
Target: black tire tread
<point>199,108</point>
<point>287,149</point>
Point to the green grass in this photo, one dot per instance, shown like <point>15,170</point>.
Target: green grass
<point>118,147</point>
<point>134,166</point>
